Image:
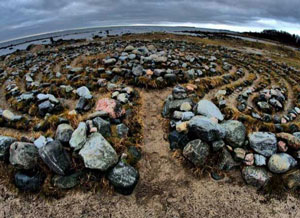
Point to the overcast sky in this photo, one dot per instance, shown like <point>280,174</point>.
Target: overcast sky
<point>26,17</point>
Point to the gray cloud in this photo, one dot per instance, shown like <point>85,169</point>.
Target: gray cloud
<point>25,17</point>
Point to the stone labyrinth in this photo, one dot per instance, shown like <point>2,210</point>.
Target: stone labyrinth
<point>70,113</point>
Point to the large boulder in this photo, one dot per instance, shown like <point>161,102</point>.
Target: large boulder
<point>97,153</point>
<point>78,138</point>
<point>5,142</point>
<point>64,133</point>
<point>205,129</point>
<point>55,157</point>
<point>197,152</point>
<point>264,143</point>
<point>123,177</point>
<point>235,133</point>
<point>255,176</point>
<point>23,155</point>
<point>281,163</point>
<point>110,106</point>
<point>208,109</point>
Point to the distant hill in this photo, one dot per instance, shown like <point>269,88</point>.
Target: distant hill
<point>279,36</point>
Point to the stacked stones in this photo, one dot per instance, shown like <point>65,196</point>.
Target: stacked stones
<point>201,132</point>
<point>88,141</point>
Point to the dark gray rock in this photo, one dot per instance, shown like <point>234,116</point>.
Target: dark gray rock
<point>23,155</point>
<point>179,92</point>
<point>172,105</point>
<point>27,182</point>
<point>217,145</point>
<point>177,140</point>
<point>123,177</point>
<point>67,182</point>
<point>122,130</point>
<point>281,163</point>
<point>205,129</point>
<point>197,152</point>
<point>55,157</point>
<point>255,176</point>
<point>46,107</point>
<point>264,143</point>
<point>64,133</point>
<point>208,109</point>
<point>226,161</point>
<point>97,153</point>
<point>103,126</point>
<point>5,143</point>
<point>235,133</point>
<point>137,70</point>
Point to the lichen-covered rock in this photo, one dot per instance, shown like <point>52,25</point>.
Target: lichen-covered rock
<point>209,109</point>
<point>226,161</point>
<point>55,157</point>
<point>205,129</point>
<point>292,179</point>
<point>179,92</point>
<point>23,155</point>
<point>264,143</point>
<point>122,130</point>
<point>97,153</point>
<point>260,160</point>
<point>67,182</point>
<point>78,138</point>
<point>255,176</point>
<point>235,133</point>
<point>123,177</point>
<point>64,133</point>
<point>171,105</point>
<point>197,152</point>
<point>281,163</point>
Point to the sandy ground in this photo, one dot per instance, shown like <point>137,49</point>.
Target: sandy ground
<point>166,188</point>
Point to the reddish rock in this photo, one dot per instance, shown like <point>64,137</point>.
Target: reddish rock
<point>111,106</point>
<point>249,159</point>
<point>149,72</point>
<point>282,146</point>
<point>191,87</point>
<point>283,120</point>
<point>292,141</point>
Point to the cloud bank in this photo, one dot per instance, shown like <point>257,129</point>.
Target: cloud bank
<point>26,17</point>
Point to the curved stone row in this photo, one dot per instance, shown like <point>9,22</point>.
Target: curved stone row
<point>200,131</point>
<point>81,89</point>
